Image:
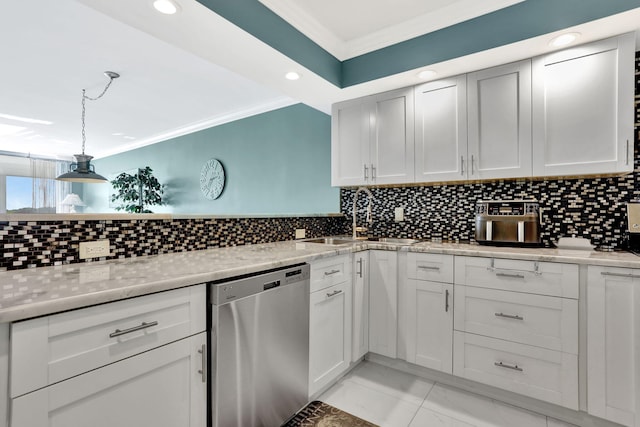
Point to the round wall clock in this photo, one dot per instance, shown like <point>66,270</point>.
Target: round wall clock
<point>212,179</point>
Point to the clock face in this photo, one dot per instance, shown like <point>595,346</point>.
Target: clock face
<point>212,179</point>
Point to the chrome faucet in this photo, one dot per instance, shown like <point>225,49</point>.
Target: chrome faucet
<point>369,220</point>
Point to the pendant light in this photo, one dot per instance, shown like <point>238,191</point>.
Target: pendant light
<point>82,170</point>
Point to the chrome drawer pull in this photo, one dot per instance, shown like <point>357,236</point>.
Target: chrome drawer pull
<point>503,365</point>
<point>360,266</point>
<point>628,276</point>
<point>334,293</point>
<point>509,316</point>
<point>329,273</point>
<point>446,300</point>
<point>427,267</point>
<point>203,370</point>
<point>143,325</point>
<point>513,276</point>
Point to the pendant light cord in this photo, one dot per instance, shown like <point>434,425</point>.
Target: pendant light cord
<point>111,76</point>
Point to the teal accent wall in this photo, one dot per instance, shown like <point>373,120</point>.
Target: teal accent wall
<point>277,162</point>
<point>521,21</point>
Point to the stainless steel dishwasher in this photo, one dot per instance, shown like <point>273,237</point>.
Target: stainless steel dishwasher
<point>259,348</point>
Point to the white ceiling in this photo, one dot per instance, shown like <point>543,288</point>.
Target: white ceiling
<point>193,70</point>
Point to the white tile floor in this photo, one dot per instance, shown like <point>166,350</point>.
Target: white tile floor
<point>390,398</point>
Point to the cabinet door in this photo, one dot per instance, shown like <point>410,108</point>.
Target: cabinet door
<point>613,344</point>
<point>499,113</point>
<point>161,387</point>
<point>383,302</point>
<point>583,109</point>
<point>360,336</point>
<point>430,334</point>
<point>350,123</point>
<point>329,335</point>
<point>441,130</point>
<point>392,137</point>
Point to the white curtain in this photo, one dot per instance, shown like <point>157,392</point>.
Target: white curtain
<point>47,192</point>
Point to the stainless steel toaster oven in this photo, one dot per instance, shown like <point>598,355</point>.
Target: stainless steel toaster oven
<point>508,222</point>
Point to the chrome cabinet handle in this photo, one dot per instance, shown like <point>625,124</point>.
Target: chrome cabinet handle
<point>143,325</point>
<point>360,262</point>
<point>203,370</point>
<point>627,151</point>
<point>507,366</point>
<point>509,316</point>
<point>446,300</point>
<point>329,273</point>
<point>462,165</point>
<point>366,175</point>
<point>429,267</point>
<point>473,161</point>
<point>628,276</point>
<point>513,276</point>
<point>373,172</point>
<point>334,293</point>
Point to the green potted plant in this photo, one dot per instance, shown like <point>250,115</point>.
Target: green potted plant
<point>134,192</point>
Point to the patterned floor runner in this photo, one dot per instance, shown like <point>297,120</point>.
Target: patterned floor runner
<point>319,414</point>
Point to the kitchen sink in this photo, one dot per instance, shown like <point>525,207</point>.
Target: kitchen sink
<point>394,240</point>
<point>329,241</point>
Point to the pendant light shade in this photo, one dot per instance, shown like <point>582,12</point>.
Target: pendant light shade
<point>82,170</point>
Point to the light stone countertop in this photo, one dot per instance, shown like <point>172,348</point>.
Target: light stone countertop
<point>40,291</point>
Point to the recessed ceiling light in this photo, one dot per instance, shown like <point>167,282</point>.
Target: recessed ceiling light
<point>168,7</point>
<point>117,134</point>
<point>10,129</point>
<point>427,74</point>
<point>25,119</point>
<point>564,39</point>
<point>292,75</point>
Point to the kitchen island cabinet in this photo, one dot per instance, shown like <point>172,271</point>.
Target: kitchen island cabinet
<point>613,344</point>
<point>140,361</point>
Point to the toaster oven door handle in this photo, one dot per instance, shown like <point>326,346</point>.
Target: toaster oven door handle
<point>489,232</point>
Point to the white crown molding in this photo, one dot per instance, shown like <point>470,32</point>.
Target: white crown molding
<point>309,26</point>
<point>273,104</point>
<point>459,11</point>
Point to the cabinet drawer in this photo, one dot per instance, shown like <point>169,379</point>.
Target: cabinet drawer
<point>543,374</point>
<point>544,278</point>
<point>50,349</point>
<point>329,272</point>
<point>432,267</point>
<point>542,321</point>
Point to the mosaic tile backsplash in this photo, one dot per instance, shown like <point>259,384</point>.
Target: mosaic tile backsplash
<point>37,244</point>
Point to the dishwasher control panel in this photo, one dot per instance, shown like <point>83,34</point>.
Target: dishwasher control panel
<point>244,286</point>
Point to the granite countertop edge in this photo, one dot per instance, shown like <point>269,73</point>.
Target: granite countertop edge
<point>42,291</point>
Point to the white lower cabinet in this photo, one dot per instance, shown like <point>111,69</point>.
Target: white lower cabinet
<point>429,306</point>
<point>516,326</point>
<point>613,344</point>
<point>383,302</point>
<point>330,312</point>
<point>360,337</point>
<point>537,372</point>
<point>140,361</point>
<point>162,387</point>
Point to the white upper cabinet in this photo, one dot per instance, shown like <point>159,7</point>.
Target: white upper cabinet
<point>350,143</point>
<point>372,140</point>
<point>441,130</point>
<point>499,119</point>
<point>583,109</point>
